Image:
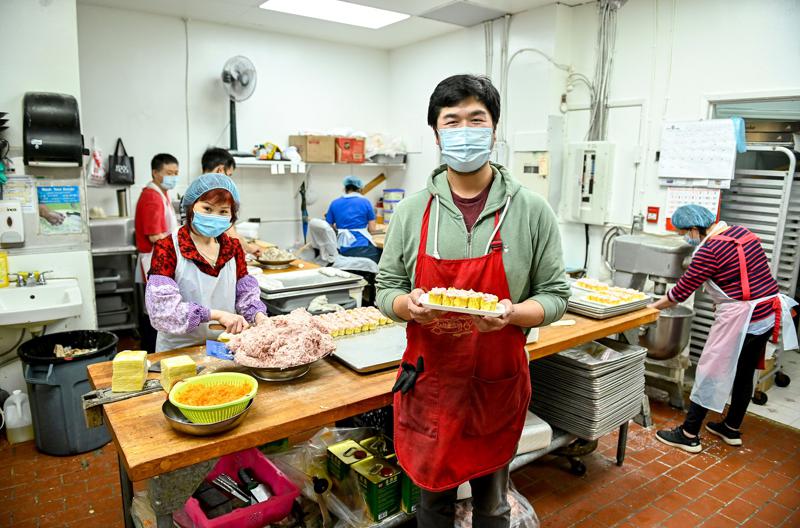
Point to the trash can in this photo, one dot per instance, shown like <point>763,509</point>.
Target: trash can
<point>55,387</point>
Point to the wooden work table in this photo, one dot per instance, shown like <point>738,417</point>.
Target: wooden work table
<point>329,392</point>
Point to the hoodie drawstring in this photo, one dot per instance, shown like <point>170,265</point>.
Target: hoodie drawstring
<point>491,238</point>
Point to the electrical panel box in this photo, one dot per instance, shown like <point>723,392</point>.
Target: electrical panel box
<point>537,162</point>
<point>586,182</point>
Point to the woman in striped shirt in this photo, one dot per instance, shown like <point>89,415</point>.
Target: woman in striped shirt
<point>749,310</point>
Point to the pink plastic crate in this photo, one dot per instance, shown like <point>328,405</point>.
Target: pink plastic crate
<point>257,515</point>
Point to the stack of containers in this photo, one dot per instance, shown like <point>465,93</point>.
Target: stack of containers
<point>589,390</point>
<point>391,197</point>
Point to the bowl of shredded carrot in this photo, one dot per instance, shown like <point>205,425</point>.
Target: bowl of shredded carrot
<point>213,397</point>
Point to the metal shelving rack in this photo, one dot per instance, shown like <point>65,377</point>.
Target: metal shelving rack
<point>767,202</point>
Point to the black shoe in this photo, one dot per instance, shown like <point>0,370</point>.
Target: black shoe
<point>676,438</point>
<point>728,435</point>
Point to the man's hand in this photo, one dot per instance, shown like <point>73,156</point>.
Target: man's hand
<point>419,313</point>
<point>662,304</point>
<point>493,324</point>
<point>260,318</point>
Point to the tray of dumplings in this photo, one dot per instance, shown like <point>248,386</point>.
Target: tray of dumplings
<point>598,300</point>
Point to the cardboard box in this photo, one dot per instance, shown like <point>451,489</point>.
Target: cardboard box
<point>766,383</point>
<point>315,149</point>
<point>350,150</point>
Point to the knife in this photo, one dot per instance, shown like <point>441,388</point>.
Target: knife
<point>256,488</point>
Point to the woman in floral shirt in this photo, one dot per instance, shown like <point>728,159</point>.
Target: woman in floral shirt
<point>199,273</point>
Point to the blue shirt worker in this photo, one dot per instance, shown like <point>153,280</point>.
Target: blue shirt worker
<point>354,220</point>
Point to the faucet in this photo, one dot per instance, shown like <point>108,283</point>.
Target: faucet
<point>30,278</point>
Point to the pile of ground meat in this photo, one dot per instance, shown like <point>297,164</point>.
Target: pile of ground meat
<point>283,342</point>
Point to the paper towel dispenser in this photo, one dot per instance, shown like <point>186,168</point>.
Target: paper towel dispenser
<point>51,130</point>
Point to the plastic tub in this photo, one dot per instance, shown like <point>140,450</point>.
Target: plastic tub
<point>56,386</point>
<point>394,194</point>
<point>390,205</point>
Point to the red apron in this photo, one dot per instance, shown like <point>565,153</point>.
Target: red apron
<point>464,416</point>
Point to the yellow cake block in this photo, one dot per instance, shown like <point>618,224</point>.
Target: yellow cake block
<point>129,371</point>
<point>176,368</point>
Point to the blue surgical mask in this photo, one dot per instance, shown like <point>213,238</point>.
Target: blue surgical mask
<point>211,225</point>
<point>691,240</point>
<point>465,149</point>
<point>169,182</point>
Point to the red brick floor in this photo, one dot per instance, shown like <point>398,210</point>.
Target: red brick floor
<point>755,486</point>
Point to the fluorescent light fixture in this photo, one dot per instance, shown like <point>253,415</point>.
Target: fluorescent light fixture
<point>337,11</point>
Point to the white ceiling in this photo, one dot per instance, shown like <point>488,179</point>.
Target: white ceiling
<point>247,13</point>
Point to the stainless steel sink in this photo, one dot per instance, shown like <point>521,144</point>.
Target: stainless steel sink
<point>111,232</point>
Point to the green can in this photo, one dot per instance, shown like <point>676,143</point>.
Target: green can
<point>379,481</point>
<point>344,454</point>
<point>379,446</point>
<point>409,494</point>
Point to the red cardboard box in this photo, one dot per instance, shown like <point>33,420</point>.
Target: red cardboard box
<point>349,150</point>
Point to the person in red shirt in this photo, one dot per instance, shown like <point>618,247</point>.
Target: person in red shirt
<point>220,161</point>
<point>155,218</point>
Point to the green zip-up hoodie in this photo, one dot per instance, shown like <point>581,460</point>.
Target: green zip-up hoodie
<point>532,257</point>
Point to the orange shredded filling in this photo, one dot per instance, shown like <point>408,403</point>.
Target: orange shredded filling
<point>199,394</point>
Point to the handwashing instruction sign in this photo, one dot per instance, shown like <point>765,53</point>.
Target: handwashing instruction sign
<point>59,209</point>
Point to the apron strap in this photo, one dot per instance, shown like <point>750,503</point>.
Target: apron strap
<point>777,306</point>
<point>495,242</point>
<point>740,242</point>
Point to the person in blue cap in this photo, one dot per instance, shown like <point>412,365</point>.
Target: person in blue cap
<point>749,310</point>
<point>198,274</point>
<point>354,220</point>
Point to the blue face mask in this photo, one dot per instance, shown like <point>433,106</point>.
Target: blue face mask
<point>691,240</point>
<point>210,225</point>
<point>465,149</point>
<point>169,182</point>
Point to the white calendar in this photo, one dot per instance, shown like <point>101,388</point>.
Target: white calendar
<point>678,196</point>
<point>698,150</point>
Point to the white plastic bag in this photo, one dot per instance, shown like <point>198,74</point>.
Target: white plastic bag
<point>96,171</point>
<point>522,513</point>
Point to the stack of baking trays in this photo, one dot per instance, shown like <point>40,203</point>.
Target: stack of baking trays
<point>589,390</point>
<point>598,300</point>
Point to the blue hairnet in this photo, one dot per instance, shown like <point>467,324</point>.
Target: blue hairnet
<point>692,215</point>
<point>207,182</point>
<point>355,182</point>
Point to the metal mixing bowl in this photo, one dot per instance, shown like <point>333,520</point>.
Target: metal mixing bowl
<point>669,335</point>
<point>179,422</point>
<point>276,374</point>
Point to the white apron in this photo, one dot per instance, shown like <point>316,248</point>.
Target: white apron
<point>345,237</point>
<point>216,293</point>
<point>716,368</point>
<point>145,259</point>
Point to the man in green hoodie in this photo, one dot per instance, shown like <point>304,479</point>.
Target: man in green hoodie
<point>464,386</point>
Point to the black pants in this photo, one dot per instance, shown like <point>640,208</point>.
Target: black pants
<point>371,252</point>
<point>490,507</point>
<point>742,391</point>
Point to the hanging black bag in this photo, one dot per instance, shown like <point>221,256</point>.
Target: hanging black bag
<point>120,166</point>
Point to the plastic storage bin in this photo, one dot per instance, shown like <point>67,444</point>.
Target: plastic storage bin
<point>55,388</point>
<point>257,515</point>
